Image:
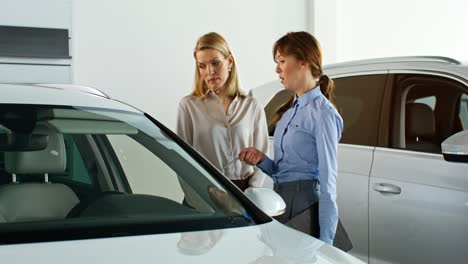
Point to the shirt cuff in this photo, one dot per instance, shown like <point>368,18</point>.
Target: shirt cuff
<point>266,165</point>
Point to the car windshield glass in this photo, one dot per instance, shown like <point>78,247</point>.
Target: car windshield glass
<point>111,172</point>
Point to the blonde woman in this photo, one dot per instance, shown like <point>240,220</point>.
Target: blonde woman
<point>217,119</point>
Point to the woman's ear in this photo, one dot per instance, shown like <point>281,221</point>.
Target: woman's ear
<point>305,65</point>
<point>231,61</point>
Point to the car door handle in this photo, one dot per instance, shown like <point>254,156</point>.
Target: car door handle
<point>387,188</point>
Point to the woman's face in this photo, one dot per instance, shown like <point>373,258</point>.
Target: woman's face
<point>213,68</point>
<point>290,71</point>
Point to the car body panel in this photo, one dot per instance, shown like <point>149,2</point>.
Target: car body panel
<point>352,194</point>
<point>30,94</point>
<point>430,213</point>
<point>429,64</point>
<point>267,243</point>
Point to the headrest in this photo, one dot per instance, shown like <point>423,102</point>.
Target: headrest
<point>420,121</point>
<point>49,160</point>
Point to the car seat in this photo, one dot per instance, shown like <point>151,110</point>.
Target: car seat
<point>34,201</point>
<point>420,128</point>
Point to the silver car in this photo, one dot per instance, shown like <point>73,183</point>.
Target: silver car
<point>399,199</point>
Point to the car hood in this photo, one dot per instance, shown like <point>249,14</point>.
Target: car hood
<point>267,243</point>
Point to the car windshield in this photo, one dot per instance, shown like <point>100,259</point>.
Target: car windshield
<point>102,172</point>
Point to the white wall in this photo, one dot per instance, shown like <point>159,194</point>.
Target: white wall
<point>141,51</point>
<point>33,13</point>
<point>379,28</point>
<point>326,28</point>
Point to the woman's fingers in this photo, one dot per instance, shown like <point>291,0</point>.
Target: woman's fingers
<point>242,154</point>
<point>245,155</point>
<point>248,156</point>
<point>251,156</point>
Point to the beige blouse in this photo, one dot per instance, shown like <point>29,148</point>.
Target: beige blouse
<point>220,137</point>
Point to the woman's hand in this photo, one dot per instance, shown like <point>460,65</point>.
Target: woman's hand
<point>251,156</point>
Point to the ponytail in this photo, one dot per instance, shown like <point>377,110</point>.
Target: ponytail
<point>327,87</point>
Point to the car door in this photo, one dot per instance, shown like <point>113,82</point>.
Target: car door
<point>418,202</point>
<point>358,99</point>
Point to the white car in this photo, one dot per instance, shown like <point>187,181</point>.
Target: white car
<point>399,199</point>
<point>87,179</point>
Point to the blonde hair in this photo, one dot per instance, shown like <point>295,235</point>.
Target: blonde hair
<point>217,42</point>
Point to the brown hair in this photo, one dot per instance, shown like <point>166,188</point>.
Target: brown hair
<point>304,47</point>
<point>217,42</point>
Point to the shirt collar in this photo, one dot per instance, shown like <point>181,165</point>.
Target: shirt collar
<point>209,93</point>
<point>307,97</point>
<point>213,96</point>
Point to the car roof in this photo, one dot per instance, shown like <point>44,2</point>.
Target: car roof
<point>443,65</point>
<point>59,94</point>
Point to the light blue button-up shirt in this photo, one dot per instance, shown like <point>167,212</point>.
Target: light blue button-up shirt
<point>305,144</point>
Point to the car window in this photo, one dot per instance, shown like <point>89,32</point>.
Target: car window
<point>70,170</point>
<point>426,111</point>
<point>146,171</point>
<point>428,100</point>
<point>464,111</point>
<point>75,168</point>
<point>359,99</point>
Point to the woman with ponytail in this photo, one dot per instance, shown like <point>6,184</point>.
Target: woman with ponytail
<point>306,139</point>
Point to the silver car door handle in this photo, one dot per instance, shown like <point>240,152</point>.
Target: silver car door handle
<point>387,188</point>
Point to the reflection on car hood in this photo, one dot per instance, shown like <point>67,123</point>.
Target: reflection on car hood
<point>267,243</point>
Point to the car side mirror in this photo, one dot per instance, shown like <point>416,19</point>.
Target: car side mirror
<point>266,200</point>
<point>455,148</point>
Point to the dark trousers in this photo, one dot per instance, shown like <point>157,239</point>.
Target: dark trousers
<point>301,198</point>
